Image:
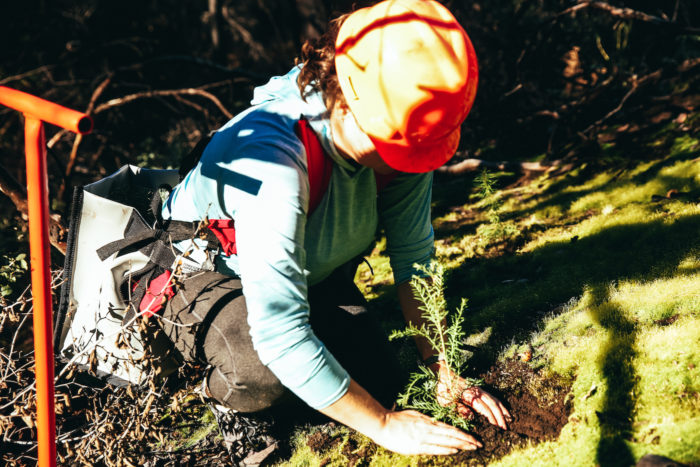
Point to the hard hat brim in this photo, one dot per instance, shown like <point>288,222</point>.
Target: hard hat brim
<point>417,158</point>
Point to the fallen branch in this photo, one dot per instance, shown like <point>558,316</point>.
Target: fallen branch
<point>91,106</point>
<point>26,74</point>
<point>158,93</point>
<point>257,50</point>
<point>625,13</point>
<point>628,13</point>
<point>14,190</point>
<point>471,165</point>
<point>79,137</point>
<point>18,195</point>
<point>637,83</point>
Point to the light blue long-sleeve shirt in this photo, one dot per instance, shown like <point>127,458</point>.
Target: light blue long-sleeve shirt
<point>254,171</point>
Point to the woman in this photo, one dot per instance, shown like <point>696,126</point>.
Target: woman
<point>385,91</point>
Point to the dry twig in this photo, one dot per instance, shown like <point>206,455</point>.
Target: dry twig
<point>18,195</point>
<point>158,93</point>
<point>470,165</point>
<point>627,13</point>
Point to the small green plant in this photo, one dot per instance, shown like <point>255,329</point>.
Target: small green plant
<point>11,271</point>
<point>445,335</point>
<point>496,229</point>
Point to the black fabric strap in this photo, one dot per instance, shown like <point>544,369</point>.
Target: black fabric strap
<point>136,231</point>
<point>162,255</point>
<point>138,293</point>
<point>176,231</point>
<point>109,249</point>
<point>182,230</point>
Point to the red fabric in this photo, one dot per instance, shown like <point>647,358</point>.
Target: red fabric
<point>318,164</point>
<point>226,233</point>
<point>320,168</point>
<point>158,289</point>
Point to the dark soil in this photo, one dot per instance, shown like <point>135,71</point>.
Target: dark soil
<point>540,407</point>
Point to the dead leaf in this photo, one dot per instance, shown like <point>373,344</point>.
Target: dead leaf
<point>28,420</point>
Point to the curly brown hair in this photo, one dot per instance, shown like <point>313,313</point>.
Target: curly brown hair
<point>318,70</point>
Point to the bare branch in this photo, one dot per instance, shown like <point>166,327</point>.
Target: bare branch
<point>14,190</point>
<point>688,65</point>
<point>470,165</point>
<point>26,74</point>
<point>159,93</point>
<point>213,24</point>
<point>256,48</point>
<point>55,138</point>
<point>637,83</point>
<point>627,13</point>
<point>189,103</point>
<point>79,137</point>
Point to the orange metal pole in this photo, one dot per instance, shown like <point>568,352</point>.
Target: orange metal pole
<point>36,111</point>
<point>38,204</point>
<point>46,111</point>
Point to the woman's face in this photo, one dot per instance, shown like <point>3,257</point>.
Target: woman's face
<point>353,143</point>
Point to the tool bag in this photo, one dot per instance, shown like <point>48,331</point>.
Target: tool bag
<point>119,264</point>
<point>95,326</point>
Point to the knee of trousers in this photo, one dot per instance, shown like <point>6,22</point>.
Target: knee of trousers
<point>257,392</point>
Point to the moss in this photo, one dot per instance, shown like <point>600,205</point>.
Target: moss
<point>604,287</point>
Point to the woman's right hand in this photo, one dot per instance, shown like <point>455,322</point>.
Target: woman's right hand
<point>409,432</point>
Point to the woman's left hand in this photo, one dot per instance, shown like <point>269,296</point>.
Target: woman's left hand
<point>451,388</point>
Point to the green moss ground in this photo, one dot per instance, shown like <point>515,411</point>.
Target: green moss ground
<point>602,280</point>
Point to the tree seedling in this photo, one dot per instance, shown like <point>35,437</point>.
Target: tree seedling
<point>445,335</point>
<point>496,229</point>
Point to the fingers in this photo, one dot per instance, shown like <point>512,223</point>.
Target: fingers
<point>474,397</point>
<point>488,406</point>
<point>484,409</point>
<point>465,411</point>
<point>444,430</point>
<point>441,433</point>
<point>504,411</point>
<point>437,433</point>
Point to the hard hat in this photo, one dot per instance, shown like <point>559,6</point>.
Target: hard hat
<point>408,73</point>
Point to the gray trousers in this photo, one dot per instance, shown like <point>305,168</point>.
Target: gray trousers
<point>206,322</point>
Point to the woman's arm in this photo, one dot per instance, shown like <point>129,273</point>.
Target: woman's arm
<point>405,432</point>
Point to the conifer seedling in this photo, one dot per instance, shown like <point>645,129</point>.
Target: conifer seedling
<point>445,334</point>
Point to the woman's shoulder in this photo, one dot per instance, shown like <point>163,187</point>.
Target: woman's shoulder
<point>264,133</point>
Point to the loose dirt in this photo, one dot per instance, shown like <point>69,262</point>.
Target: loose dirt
<point>540,407</point>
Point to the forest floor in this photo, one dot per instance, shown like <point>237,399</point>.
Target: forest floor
<point>583,312</point>
<point>583,316</point>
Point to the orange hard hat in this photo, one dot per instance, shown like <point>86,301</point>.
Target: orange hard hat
<point>408,72</point>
